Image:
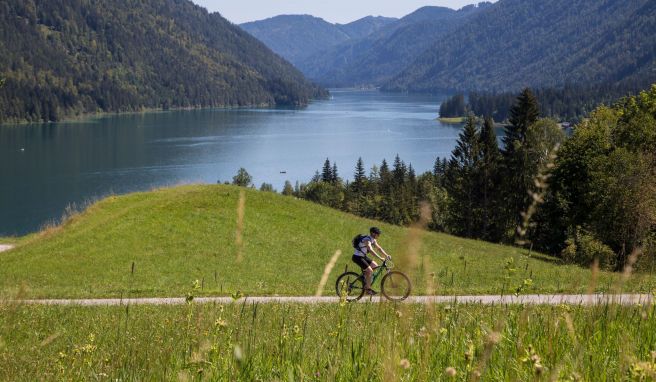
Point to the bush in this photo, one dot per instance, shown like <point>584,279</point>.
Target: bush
<point>584,248</point>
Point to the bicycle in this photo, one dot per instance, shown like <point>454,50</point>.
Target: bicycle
<point>394,285</point>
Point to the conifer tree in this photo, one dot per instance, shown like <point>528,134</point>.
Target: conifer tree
<point>359,176</point>
<point>518,173</point>
<point>462,180</point>
<point>334,176</point>
<point>489,180</point>
<point>327,172</point>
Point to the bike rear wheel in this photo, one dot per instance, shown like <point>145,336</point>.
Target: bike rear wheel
<point>350,286</point>
<point>396,286</point>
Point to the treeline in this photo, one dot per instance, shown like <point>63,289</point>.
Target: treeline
<point>454,106</point>
<point>567,104</point>
<point>588,198</point>
<point>70,57</point>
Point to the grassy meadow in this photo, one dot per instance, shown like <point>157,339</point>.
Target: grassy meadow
<point>328,342</point>
<point>157,243</point>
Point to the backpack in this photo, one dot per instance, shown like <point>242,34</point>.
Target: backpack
<point>356,241</point>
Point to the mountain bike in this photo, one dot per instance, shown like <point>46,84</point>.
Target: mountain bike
<point>394,285</point>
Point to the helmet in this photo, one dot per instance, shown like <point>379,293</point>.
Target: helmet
<point>374,230</point>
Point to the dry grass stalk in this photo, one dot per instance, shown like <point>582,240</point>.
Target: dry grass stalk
<point>537,197</point>
<point>326,272</point>
<point>239,241</point>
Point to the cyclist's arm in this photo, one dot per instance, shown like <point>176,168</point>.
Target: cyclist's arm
<point>371,249</point>
<point>382,250</point>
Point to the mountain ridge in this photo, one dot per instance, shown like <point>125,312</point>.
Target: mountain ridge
<point>76,57</point>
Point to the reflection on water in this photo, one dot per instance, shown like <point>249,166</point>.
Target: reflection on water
<point>44,168</point>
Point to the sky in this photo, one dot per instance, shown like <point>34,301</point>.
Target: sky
<point>335,11</point>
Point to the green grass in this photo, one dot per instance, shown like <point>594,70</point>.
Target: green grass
<point>452,119</point>
<point>177,235</point>
<point>328,342</point>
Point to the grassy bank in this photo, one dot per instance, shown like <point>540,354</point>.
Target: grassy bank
<point>157,243</point>
<point>350,342</point>
<point>451,119</point>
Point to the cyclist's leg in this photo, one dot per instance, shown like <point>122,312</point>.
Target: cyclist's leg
<point>368,273</point>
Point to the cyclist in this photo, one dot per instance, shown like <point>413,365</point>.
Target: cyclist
<point>364,246</point>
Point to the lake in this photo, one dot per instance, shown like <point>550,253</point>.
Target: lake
<point>44,168</point>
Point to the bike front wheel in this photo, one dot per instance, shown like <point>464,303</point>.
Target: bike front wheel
<point>350,286</point>
<point>396,286</point>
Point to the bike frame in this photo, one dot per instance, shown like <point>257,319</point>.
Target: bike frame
<point>377,272</point>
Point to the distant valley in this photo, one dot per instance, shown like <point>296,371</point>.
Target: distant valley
<point>500,46</point>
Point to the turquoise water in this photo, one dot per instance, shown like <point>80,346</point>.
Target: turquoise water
<point>44,168</point>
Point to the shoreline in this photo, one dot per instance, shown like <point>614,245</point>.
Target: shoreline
<point>86,117</point>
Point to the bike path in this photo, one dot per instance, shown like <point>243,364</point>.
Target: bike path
<point>529,299</point>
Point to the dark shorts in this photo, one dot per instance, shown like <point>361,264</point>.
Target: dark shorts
<point>362,261</point>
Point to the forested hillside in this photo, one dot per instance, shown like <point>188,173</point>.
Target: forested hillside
<point>297,37</point>
<point>517,43</point>
<point>570,103</point>
<point>381,55</point>
<point>69,57</point>
<point>588,197</point>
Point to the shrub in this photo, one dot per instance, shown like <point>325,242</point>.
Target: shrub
<point>584,248</point>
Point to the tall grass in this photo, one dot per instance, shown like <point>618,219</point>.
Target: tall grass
<point>347,342</point>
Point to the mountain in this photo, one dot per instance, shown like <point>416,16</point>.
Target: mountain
<point>378,57</point>
<point>518,43</point>
<point>365,26</point>
<point>296,37</point>
<point>70,57</point>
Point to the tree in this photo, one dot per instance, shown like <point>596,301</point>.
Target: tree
<point>462,181</point>
<point>518,171</point>
<point>288,189</point>
<point>334,174</point>
<point>359,177</point>
<point>327,173</point>
<point>243,178</point>
<point>604,182</point>
<point>267,187</point>
<point>489,179</point>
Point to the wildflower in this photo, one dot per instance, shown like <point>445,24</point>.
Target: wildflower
<point>444,331</point>
<point>398,313</point>
<point>405,363</point>
<point>220,323</point>
<point>450,372</point>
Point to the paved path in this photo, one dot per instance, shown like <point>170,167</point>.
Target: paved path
<point>5,247</point>
<point>533,299</point>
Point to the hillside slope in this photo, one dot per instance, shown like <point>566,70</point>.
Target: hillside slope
<point>157,243</point>
<point>378,57</point>
<point>518,43</point>
<point>297,37</point>
<point>77,56</point>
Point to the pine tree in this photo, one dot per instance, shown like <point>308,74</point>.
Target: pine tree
<point>489,180</point>
<point>398,171</point>
<point>334,176</point>
<point>327,173</point>
<point>517,171</point>
<point>462,180</point>
<point>359,177</point>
